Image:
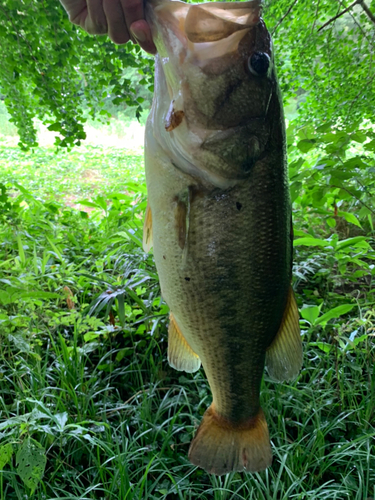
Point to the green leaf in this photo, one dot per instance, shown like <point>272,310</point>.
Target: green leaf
<point>55,249</point>
<point>55,127</point>
<point>350,218</point>
<point>310,313</point>
<point>370,146</point>
<point>105,300</point>
<point>369,217</point>
<point>20,342</point>
<point>38,294</point>
<point>359,241</point>
<point>21,251</point>
<point>5,298</point>
<point>123,352</point>
<point>101,202</point>
<point>88,203</point>
<point>311,242</point>
<point>324,128</point>
<point>358,137</point>
<point>121,309</point>
<point>31,460</point>
<point>323,346</point>
<point>295,189</point>
<point>133,237</point>
<point>334,313</point>
<point>306,144</point>
<point>6,452</point>
<point>60,420</point>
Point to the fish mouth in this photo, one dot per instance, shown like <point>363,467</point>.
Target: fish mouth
<point>213,22</point>
<point>194,26</point>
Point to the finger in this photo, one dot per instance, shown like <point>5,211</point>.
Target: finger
<point>117,29</point>
<point>141,32</point>
<point>133,11</point>
<point>77,11</point>
<point>95,22</point>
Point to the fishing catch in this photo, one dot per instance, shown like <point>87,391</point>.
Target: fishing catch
<point>219,218</point>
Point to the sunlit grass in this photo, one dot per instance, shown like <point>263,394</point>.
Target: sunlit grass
<point>70,176</point>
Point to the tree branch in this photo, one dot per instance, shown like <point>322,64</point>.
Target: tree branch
<point>370,15</point>
<point>341,14</point>
<point>354,196</point>
<point>364,6</point>
<point>316,17</point>
<point>284,16</point>
<point>356,22</point>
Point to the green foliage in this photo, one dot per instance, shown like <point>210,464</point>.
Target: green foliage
<point>6,452</point>
<point>31,460</point>
<point>53,71</point>
<point>331,70</point>
<point>336,166</point>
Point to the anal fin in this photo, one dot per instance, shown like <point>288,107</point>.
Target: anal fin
<point>284,356</point>
<point>180,355</point>
<point>147,230</point>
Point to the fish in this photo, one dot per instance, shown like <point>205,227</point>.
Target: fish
<point>219,218</point>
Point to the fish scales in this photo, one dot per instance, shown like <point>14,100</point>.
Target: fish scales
<point>221,220</point>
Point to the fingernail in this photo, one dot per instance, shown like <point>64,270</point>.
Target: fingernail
<point>139,35</point>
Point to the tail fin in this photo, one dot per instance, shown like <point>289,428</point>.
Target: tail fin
<point>220,447</point>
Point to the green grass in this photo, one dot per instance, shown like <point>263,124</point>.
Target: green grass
<point>113,420</point>
<point>71,176</point>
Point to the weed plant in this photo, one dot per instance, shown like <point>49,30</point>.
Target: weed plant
<point>90,409</point>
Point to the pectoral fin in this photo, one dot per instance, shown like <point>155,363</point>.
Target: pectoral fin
<point>180,355</point>
<point>147,230</point>
<point>284,356</point>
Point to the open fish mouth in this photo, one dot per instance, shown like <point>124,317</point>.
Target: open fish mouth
<point>197,28</point>
<point>211,23</point>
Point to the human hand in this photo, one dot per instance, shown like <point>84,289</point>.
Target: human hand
<point>122,20</point>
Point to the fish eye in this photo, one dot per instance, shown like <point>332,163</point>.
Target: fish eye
<point>259,62</point>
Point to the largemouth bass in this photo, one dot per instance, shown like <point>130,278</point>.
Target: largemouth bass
<point>219,218</point>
